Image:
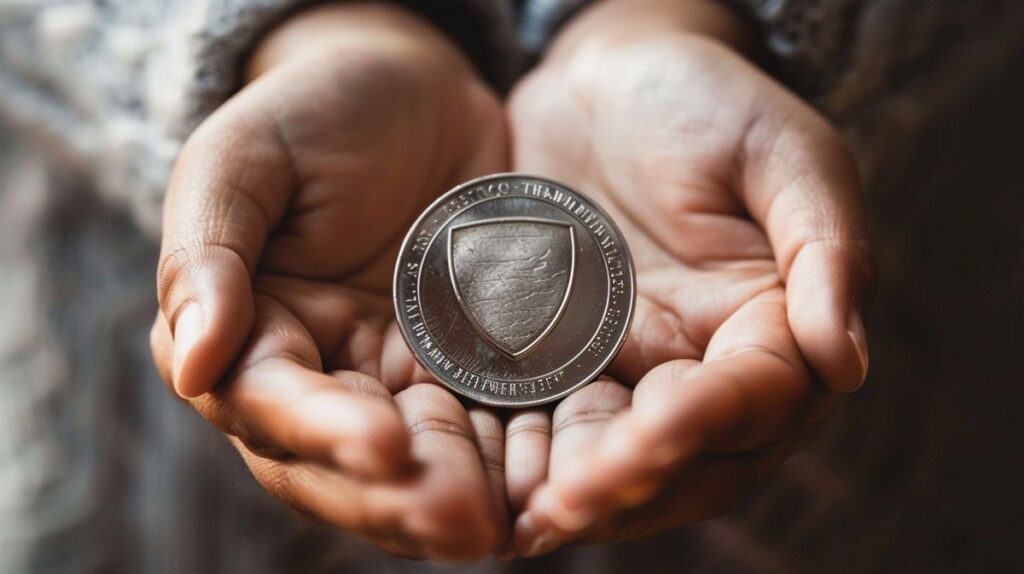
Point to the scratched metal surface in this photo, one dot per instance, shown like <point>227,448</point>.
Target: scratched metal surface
<point>514,290</point>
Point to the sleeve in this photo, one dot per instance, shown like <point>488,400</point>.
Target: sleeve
<point>112,89</point>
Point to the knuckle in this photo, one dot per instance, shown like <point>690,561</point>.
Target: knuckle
<point>436,424</point>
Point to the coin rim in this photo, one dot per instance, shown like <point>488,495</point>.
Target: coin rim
<point>409,236</point>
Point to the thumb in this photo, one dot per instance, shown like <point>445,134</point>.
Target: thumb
<point>229,188</point>
<point>801,184</point>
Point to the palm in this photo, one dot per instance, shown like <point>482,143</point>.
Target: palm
<point>655,151</point>
<point>364,160</point>
<point>655,142</point>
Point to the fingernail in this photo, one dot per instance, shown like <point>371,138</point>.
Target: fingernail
<point>187,331</point>
<point>534,538</point>
<point>855,329</point>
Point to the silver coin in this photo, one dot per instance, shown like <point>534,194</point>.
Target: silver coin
<point>514,290</point>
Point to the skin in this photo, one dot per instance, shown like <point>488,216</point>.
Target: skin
<point>284,217</point>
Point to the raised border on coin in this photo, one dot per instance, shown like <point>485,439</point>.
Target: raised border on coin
<point>603,345</point>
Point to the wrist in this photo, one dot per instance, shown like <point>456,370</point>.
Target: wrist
<point>609,24</point>
<point>378,28</point>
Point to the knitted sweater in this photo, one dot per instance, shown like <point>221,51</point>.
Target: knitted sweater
<point>99,469</point>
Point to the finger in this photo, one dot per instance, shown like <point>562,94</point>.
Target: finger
<point>457,519</point>
<point>322,494</point>
<point>751,392</point>
<point>373,510</point>
<point>399,369</point>
<point>800,183</point>
<point>439,510</point>
<point>680,308</point>
<point>581,420</point>
<point>278,402</point>
<point>490,443</point>
<point>230,186</point>
<point>527,450</point>
<point>578,424</point>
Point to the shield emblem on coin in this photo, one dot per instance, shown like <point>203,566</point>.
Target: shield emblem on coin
<point>512,277</point>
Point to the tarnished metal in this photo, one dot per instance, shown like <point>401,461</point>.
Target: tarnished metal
<point>514,290</point>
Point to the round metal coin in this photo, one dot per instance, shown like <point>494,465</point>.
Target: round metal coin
<point>514,290</point>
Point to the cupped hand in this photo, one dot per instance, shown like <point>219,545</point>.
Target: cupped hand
<point>282,223</point>
<point>740,206</point>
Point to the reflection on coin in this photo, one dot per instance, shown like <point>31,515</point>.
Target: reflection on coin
<point>514,290</point>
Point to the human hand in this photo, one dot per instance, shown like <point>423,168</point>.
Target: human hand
<point>740,205</point>
<point>282,222</point>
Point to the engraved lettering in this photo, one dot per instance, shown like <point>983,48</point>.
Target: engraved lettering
<point>421,242</point>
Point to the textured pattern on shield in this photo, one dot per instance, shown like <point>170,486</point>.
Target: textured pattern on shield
<point>513,278</point>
